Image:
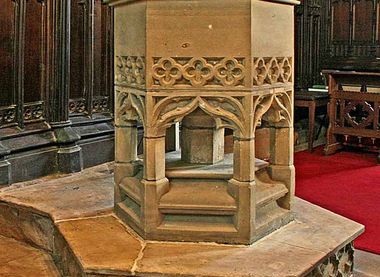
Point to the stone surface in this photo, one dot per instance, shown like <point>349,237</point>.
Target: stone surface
<point>291,251</point>
<point>366,264</point>
<point>176,168</point>
<point>104,245</point>
<point>64,257</point>
<point>210,260</point>
<point>84,194</point>
<point>101,244</point>
<point>25,225</point>
<point>21,260</point>
<point>5,172</point>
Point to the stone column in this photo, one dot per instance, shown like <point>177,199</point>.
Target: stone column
<point>242,186</point>
<point>172,141</point>
<point>154,184</point>
<point>281,160</point>
<point>125,153</point>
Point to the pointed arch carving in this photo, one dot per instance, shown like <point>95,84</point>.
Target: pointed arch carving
<point>261,105</point>
<point>129,107</point>
<point>280,112</point>
<point>274,108</point>
<point>227,111</point>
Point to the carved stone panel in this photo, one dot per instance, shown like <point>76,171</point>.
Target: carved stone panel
<point>340,264</point>
<point>199,72</point>
<point>130,71</point>
<point>272,70</point>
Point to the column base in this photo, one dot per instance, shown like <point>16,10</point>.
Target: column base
<point>5,173</point>
<point>70,159</point>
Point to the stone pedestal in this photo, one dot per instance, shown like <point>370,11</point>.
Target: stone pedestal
<point>202,141</point>
<point>210,65</point>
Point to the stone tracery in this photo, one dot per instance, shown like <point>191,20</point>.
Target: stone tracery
<point>199,72</point>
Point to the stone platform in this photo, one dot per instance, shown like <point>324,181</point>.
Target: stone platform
<point>18,259</point>
<point>71,219</point>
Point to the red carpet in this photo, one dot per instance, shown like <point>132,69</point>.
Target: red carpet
<point>347,183</point>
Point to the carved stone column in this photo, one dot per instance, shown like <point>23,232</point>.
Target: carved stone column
<point>210,65</point>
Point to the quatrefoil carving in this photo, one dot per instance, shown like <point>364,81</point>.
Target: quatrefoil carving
<point>230,72</point>
<point>359,114</point>
<point>198,72</point>
<point>167,72</point>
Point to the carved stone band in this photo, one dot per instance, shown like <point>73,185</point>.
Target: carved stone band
<point>130,70</point>
<point>272,70</point>
<point>198,72</point>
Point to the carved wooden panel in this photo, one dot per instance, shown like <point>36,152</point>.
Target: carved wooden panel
<point>7,115</point>
<point>101,49</point>
<point>31,62</point>
<point>77,56</point>
<point>363,20</point>
<point>309,27</point>
<point>378,26</point>
<point>34,50</point>
<point>34,112</point>
<point>23,60</point>
<point>90,51</point>
<point>340,11</point>
<point>352,36</point>
<point>7,43</point>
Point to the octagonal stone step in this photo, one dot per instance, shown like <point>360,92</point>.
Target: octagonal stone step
<point>198,197</point>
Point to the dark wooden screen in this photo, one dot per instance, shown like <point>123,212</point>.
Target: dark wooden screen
<point>90,53</point>
<point>352,37</point>
<point>309,26</point>
<point>55,86</point>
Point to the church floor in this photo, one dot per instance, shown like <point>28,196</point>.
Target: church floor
<point>80,206</point>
